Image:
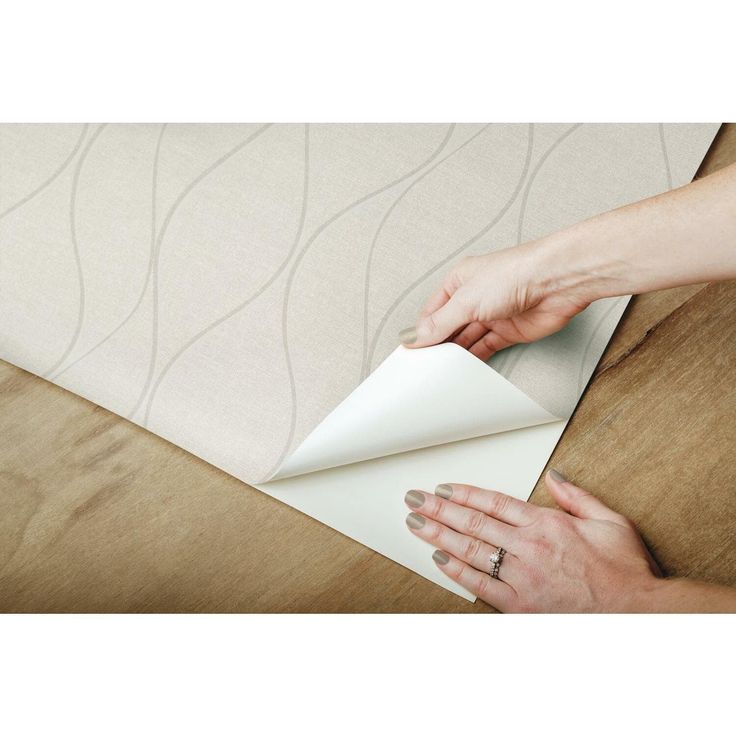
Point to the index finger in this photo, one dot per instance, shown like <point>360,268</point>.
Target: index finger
<point>495,504</point>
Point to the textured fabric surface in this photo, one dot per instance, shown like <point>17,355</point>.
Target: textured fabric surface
<point>227,286</point>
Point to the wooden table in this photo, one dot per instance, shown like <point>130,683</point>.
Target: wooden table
<point>97,514</point>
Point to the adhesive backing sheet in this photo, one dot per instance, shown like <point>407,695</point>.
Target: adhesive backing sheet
<point>238,290</point>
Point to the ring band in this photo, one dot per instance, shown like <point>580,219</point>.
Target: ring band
<point>496,560</point>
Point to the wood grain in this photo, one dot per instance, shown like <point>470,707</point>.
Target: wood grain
<point>97,514</point>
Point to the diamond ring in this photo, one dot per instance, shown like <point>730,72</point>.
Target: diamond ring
<point>496,560</point>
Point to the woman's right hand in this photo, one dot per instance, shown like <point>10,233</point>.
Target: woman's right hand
<point>521,294</point>
<point>487,303</point>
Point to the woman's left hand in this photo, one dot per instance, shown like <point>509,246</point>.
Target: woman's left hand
<point>585,557</point>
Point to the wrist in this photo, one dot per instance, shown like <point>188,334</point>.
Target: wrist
<point>579,264</point>
<point>651,595</point>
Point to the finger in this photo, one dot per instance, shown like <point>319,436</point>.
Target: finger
<point>468,549</point>
<point>438,299</point>
<point>489,344</point>
<point>577,501</point>
<point>494,592</point>
<point>453,336</point>
<point>467,521</point>
<point>435,327</point>
<point>498,505</point>
<point>470,335</point>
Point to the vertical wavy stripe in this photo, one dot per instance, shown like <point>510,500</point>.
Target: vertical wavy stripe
<point>667,168</point>
<point>169,215</point>
<point>52,178</point>
<point>144,287</point>
<point>240,307</point>
<point>75,248</point>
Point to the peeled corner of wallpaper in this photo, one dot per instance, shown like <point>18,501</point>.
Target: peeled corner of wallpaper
<point>417,398</point>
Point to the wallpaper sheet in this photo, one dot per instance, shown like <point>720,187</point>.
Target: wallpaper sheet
<point>228,286</point>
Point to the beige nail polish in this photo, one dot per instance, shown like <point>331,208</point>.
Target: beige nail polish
<point>414,499</point>
<point>443,491</point>
<point>557,476</point>
<point>440,557</point>
<point>408,336</point>
<point>414,521</point>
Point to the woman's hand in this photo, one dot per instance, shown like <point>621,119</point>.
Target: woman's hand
<point>583,558</point>
<point>527,292</point>
<point>489,302</point>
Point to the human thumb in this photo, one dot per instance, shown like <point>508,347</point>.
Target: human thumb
<point>436,327</point>
<point>577,501</point>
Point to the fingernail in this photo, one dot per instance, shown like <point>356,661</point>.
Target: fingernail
<point>557,476</point>
<point>443,491</point>
<point>408,336</point>
<point>440,557</point>
<point>414,499</point>
<point>414,521</point>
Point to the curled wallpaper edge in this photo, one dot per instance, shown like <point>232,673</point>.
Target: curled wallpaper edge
<point>415,399</point>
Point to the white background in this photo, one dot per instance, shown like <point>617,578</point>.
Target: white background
<point>377,61</point>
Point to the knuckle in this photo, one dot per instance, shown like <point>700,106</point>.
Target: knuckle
<point>475,522</point>
<point>434,533</point>
<point>498,504</point>
<point>433,506</point>
<point>431,322</point>
<point>576,507</point>
<point>579,502</point>
<point>473,548</point>
<point>558,521</point>
<point>482,587</point>
<point>538,548</point>
<point>461,494</point>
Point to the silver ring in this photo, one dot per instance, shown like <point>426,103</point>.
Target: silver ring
<point>496,560</point>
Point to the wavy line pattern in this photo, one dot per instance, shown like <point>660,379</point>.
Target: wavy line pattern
<point>416,158</point>
<point>75,247</point>
<point>52,178</point>
<point>147,278</point>
<point>240,307</point>
<point>159,242</point>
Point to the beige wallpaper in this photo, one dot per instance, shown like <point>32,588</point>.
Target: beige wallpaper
<point>227,285</point>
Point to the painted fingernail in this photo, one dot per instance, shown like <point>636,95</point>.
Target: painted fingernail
<point>414,521</point>
<point>440,557</point>
<point>557,476</point>
<point>443,491</point>
<point>414,499</point>
<point>408,336</point>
